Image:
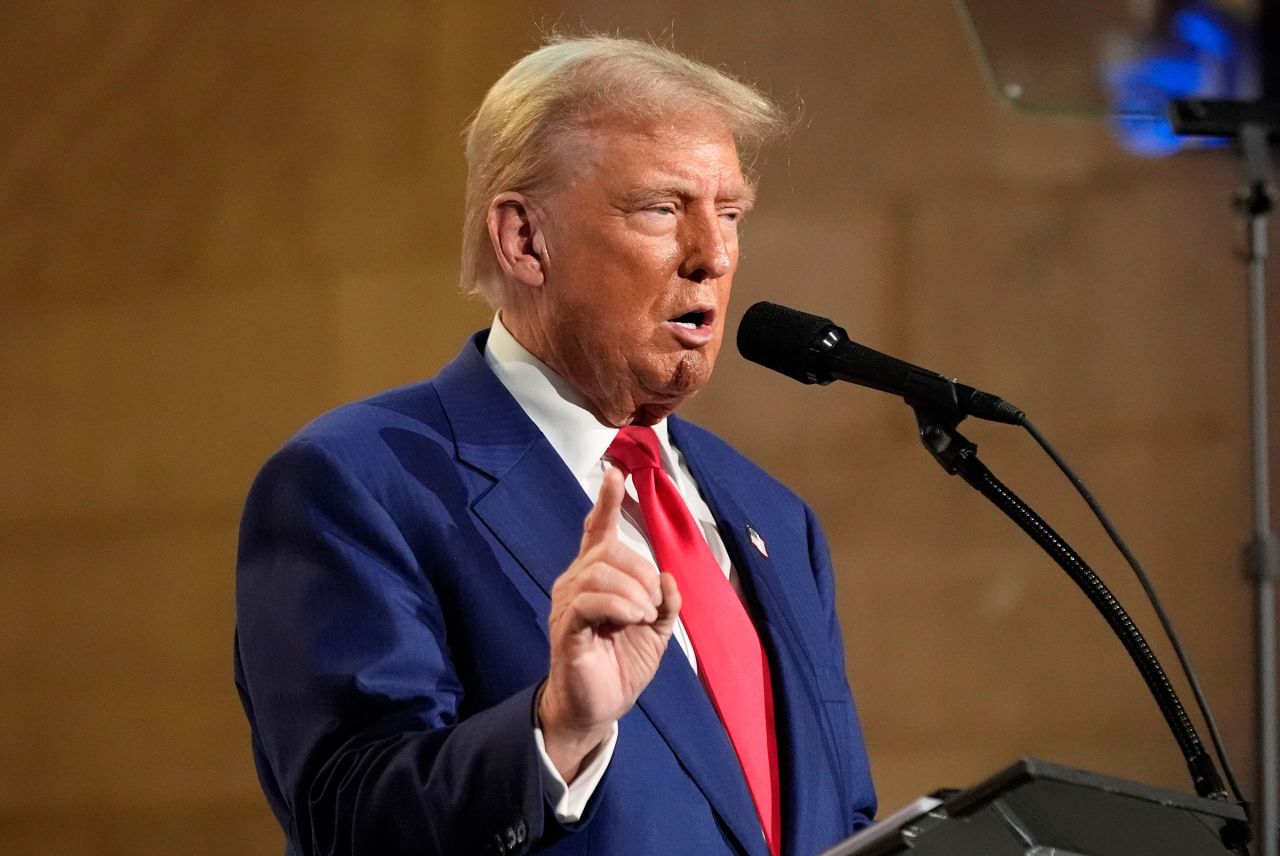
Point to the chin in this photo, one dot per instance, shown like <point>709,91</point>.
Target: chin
<point>674,383</point>
<point>692,371</point>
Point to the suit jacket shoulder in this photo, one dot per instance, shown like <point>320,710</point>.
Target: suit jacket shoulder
<point>387,714</point>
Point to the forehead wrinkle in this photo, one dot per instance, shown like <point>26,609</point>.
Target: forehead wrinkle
<point>581,150</point>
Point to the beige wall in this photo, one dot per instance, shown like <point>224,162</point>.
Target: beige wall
<point>221,219</point>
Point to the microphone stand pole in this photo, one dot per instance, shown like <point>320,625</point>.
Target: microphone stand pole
<point>1253,123</point>
<point>1264,556</point>
<point>958,456</point>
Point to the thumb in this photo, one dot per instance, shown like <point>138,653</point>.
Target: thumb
<point>601,523</point>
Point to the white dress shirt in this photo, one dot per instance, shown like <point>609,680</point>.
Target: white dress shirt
<point>581,440</point>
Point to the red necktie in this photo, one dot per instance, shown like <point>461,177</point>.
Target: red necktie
<point>731,660</point>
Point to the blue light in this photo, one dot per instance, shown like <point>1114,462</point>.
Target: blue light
<point>1204,31</point>
<point>1153,138</point>
<point>1152,80</point>
<point>1200,59</point>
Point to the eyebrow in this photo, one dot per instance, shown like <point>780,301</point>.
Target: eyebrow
<point>745,197</point>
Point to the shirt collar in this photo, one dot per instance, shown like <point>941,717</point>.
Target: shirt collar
<point>561,413</point>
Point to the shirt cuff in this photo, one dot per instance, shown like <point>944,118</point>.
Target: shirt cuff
<point>569,801</point>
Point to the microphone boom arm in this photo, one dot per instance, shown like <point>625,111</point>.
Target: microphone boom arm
<point>958,456</point>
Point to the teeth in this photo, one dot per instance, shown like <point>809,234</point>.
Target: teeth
<point>688,325</point>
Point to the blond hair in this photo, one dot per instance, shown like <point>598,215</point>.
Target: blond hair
<point>511,140</point>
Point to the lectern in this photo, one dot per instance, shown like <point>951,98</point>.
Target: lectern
<point>1035,808</point>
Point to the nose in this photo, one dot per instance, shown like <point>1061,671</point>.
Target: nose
<point>709,245</point>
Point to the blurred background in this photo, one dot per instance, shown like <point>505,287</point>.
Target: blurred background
<point>221,219</point>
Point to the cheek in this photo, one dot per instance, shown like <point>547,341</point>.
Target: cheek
<point>644,256</point>
<point>666,256</point>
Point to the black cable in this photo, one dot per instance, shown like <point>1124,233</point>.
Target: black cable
<point>1201,702</point>
<point>974,472</point>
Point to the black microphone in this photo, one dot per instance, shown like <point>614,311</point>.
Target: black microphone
<point>813,349</point>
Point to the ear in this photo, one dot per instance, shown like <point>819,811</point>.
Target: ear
<point>517,238</point>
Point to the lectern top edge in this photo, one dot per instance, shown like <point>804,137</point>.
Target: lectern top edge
<point>1029,769</point>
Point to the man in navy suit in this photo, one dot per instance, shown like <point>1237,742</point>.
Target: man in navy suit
<point>443,646</point>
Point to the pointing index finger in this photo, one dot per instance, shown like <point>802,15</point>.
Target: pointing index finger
<point>602,523</point>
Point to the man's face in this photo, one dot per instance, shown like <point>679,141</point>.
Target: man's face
<point>641,244</point>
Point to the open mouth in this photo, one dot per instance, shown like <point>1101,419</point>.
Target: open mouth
<point>695,328</point>
<point>690,320</point>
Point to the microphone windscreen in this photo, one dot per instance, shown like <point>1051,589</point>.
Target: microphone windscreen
<point>782,339</point>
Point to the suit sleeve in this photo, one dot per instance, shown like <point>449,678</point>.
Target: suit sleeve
<point>839,704</point>
<point>346,676</point>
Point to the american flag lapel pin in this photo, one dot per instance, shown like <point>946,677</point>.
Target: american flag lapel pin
<point>757,541</point>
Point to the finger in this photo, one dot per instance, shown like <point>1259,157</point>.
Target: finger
<point>669,607</point>
<point>618,555</point>
<point>593,608</point>
<point>601,523</point>
<point>607,579</point>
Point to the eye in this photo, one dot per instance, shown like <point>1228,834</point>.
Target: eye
<point>664,208</point>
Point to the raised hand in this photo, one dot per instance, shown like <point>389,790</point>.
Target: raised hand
<point>612,615</point>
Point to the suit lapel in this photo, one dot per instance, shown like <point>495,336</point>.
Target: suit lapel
<point>536,511</point>
<point>677,705</point>
<point>534,505</point>
<point>796,690</point>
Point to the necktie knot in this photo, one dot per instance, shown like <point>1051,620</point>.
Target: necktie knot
<point>636,448</point>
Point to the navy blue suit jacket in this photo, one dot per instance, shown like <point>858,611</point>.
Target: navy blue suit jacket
<point>396,560</point>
